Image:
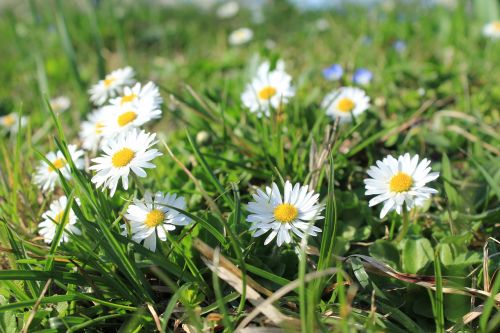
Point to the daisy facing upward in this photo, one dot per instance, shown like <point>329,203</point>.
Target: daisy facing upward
<point>129,152</point>
<point>399,182</point>
<point>346,103</point>
<point>155,215</point>
<point>112,85</point>
<point>284,216</point>
<point>269,89</point>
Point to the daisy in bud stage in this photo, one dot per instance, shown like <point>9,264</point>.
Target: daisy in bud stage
<point>11,122</point>
<point>112,85</point>
<point>46,176</point>
<point>269,89</point>
<point>155,215</point>
<point>128,152</point>
<point>399,182</point>
<point>145,98</point>
<point>53,217</point>
<point>346,103</point>
<point>293,213</point>
<point>492,30</point>
<point>91,131</point>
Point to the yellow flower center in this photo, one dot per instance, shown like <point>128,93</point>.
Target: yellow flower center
<point>9,120</point>
<point>285,213</point>
<point>346,105</point>
<point>400,182</point>
<point>267,92</point>
<point>58,164</point>
<point>128,98</point>
<point>122,157</point>
<point>98,127</point>
<point>58,218</point>
<point>109,81</point>
<point>496,26</point>
<point>154,218</point>
<point>126,118</point>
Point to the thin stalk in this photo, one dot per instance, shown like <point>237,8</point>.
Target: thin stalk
<point>406,225</point>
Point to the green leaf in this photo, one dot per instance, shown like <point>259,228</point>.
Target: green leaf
<point>417,253</point>
<point>385,251</point>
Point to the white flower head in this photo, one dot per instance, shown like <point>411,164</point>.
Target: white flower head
<point>492,30</point>
<point>46,176</point>
<point>155,215</point>
<point>346,103</point>
<point>60,104</point>
<point>240,36</point>
<point>122,119</point>
<point>293,213</point>
<point>112,85</point>
<point>128,152</point>
<point>12,121</point>
<point>398,182</point>
<point>228,10</point>
<point>145,98</point>
<point>53,217</point>
<point>269,89</point>
<point>91,131</point>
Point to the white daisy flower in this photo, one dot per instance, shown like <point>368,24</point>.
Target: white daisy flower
<point>11,122</point>
<point>400,181</point>
<point>121,119</point>
<point>269,89</point>
<point>128,152</point>
<point>228,10</point>
<point>155,215</point>
<point>346,103</point>
<point>91,130</point>
<point>492,30</point>
<point>112,85</point>
<point>294,213</point>
<point>54,216</point>
<point>60,104</point>
<point>240,36</point>
<point>46,176</point>
<point>145,97</point>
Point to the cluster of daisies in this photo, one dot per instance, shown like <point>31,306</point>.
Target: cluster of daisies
<point>113,132</point>
<point>124,151</point>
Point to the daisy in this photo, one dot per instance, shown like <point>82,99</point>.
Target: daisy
<point>145,97</point>
<point>11,122</point>
<point>492,30</point>
<point>346,103</point>
<point>121,119</point>
<point>228,10</point>
<point>91,131</point>
<point>54,216</point>
<point>269,89</point>
<point>60,104</point>
<point>46,176</point>
<point>400,181</point>
<point>293,213</point>
<point>128,152</point>
<point>111,85</point>
<point>240,36</point>
<point>362,76</point>
<point>155,215</point>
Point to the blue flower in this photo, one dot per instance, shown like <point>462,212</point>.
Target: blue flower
<point>399,46</point>
<point>362,76</point>
<point>333,72</point>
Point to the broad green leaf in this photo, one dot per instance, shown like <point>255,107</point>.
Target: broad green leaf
<point>417,253</point>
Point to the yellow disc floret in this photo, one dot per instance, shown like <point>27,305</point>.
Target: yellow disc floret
<point>154,218</point>
<point>346,104</point>
<point>400,182</point>
<point>98,127</point>
<point>122,157</point>
<point>108,81</point>
<point>128,98</point>
<point>9,120</point>
<point>126,118</point>
<point>58,164</point>
<point>285,213</point>
<point>267,92</point>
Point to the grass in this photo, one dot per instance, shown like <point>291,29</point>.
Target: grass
<point>438,98</point>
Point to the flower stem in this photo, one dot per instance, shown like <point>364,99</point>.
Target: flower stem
<point>406,225</point>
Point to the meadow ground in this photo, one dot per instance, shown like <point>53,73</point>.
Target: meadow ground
<point>219,253</point>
